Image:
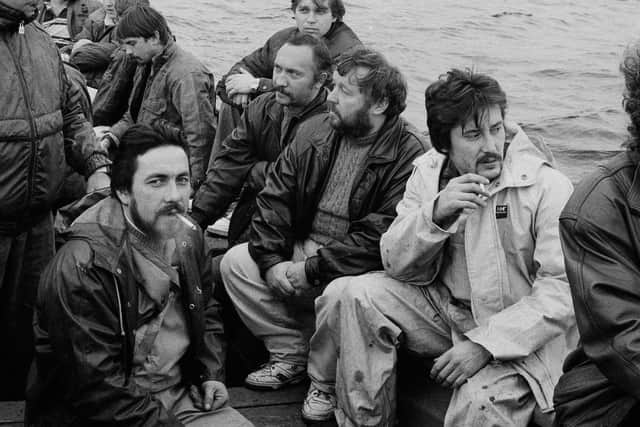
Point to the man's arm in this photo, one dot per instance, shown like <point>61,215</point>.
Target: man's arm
<point>85,332</point>
<point>84,152</point>
<point>412,247</point>
<point>359,252</point>
<point>227,172</point>
<point>193,96</point>
<point>272,227</point>
<point>522,328</point>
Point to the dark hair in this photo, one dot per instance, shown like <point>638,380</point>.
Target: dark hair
<point>122,6</point>
<point>135,142</point>
<point>142,21</point>
<point>630,68</point>
<point>322,61</point>
<point>456,97</point>
<point>336,6</point>
<point>383,81</point>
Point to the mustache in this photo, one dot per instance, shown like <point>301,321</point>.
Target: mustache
<point>172,208</point>
<point>490,157</point>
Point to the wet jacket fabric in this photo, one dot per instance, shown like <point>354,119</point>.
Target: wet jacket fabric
<point>600,231</point>
<point>111,101</point>
<point>259,63</point>
<point>78,12</point>
<point>295,184</point>
<point>179,102</point>
<point>94,29</point>
<point>42,127</point>
<point>86,315</point>
<point>263,132</point>
<point>520,296</point>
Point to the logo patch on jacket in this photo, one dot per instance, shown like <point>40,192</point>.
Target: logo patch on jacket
<point>502,211</point>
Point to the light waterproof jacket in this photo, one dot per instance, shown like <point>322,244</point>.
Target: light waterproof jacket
<point>179,102</point>
<point>520,297</point>
<point>42,126</point>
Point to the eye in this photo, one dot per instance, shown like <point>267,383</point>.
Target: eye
<point>156,182</point>
<point>472,135</point>
<point>496,129</point>
<point>303,9</point>
<point>277,69</point>
<point>183,180</point>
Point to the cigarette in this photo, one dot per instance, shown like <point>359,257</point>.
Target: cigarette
<point>186,221</point>
<point>483,197</point>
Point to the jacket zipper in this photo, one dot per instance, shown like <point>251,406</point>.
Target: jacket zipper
<point>34,133</point>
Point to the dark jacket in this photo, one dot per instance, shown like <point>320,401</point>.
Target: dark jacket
<point>263,132</point>
<point>111,101</point>
<point>600,232</point>
<point>259,63</point>
<point>178,100</point>
<point>41,127</point>
<point>295,184</point>
<point>86,314</point>
<point>78,12</point>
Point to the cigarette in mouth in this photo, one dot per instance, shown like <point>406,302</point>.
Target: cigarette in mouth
<point>186,221</point>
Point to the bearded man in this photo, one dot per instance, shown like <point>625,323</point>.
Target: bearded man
<point>327,200</point>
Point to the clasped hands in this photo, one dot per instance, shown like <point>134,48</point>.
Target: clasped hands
<point>240,85</point>
<point>287,278</point>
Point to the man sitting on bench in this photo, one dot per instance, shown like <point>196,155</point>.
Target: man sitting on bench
<point>474,276</point>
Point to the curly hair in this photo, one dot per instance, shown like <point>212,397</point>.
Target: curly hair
<point>630,68</point>
<point>383,81</point>
<point>456,97</point>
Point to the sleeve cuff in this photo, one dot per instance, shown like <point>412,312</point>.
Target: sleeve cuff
<point>264,85</point>
<point>95,162</point>
<point>312,270</point>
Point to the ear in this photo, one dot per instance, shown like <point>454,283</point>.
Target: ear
<point>322,80</point>
<point>380,107</point>
<point>156,37</point>
<point>124,197</point>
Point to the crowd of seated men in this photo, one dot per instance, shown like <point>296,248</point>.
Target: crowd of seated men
<point>353,238</point>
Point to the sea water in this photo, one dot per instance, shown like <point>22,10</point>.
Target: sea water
<point>557,60</point>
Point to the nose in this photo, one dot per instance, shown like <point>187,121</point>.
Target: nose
<point>311,18</point>
<point>128,50</point>
<point>280,79</point>
<point>173,193</point>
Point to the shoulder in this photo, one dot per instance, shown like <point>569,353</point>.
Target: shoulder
<point>603,189</point>
<point>342,39</point>
<point>277,39</point>
<point>412,136</point>
<point>317,128</point>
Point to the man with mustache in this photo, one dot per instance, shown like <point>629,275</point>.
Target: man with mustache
<point>302,68</point>
<point>126,329</point>
<point>42,129</point>
<point>473,278</point>
<point>173,92</point>
<point>251,76</point>
<point>327,199</point>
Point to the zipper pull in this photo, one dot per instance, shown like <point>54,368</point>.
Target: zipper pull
<point>21,28</point>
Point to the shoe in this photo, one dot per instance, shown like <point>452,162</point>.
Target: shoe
<point>275,375</point>
<point>318,406</point>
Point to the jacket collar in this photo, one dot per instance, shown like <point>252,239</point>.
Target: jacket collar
<point>10,18</point>
<point>385,148</point>
<point>633,194</point>
<point>169,50</point>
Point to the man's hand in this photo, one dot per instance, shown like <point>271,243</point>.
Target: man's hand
<point>297,276</point>
<point>459,363</point>
<point>241,100</point>
<point>210,396</point>
<point>276,278</point>
<point>462,192</point>
<point>241,83</point>
<point>97,181</point>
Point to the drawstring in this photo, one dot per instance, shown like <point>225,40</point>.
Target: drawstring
<point>120,315</point>
<point>21,27</point>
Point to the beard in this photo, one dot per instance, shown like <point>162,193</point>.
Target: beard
<point>356,125</point>
<point>150,228</point>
